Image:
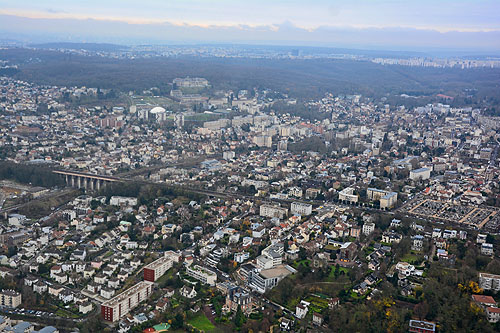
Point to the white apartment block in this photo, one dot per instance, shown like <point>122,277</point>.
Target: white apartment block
<point>347,194</point>
<point>203,274</point>
<point>273,211</point>
<point>302,209</point>
<point>387,199</point>
<point>489,281</point>
<point>119,201</point>
<point>422,174</point>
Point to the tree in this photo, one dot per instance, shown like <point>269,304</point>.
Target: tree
<point>239,317</point>
<point>178,321</point>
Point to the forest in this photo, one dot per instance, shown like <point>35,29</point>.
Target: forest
<point>35,175</point>
<point>301,78</point>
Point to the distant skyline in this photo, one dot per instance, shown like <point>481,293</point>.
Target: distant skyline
<point>419,25</point>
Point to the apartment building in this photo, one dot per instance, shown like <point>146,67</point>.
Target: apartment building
<point>157,268</point>
<point>10,298</point>
<point>302,209</point>
<point>120,305</point>
<point>489,281</point>
<point>273,211</point>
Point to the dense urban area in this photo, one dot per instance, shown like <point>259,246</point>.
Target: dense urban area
<point>197,206</point>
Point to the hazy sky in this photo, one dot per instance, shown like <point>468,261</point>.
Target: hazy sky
<point>305,16</point>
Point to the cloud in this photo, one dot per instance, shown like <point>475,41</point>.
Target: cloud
<point>285,33</point>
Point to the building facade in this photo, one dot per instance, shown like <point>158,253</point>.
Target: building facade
<point>120,305</point>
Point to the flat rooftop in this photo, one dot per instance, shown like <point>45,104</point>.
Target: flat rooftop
<point>158,262</point>
<point>278,271</point>
<point>127,293</point>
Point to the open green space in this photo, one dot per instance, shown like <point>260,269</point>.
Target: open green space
<point>201,322</point>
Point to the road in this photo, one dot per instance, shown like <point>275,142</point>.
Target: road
<point>494,155</point>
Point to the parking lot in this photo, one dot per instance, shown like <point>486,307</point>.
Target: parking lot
<point>22,311</point>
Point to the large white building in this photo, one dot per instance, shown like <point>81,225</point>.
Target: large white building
<point>387,199</point>
<point>191,82</point>
<point>262,280</point>
<point>347,194</point>
<point>120,305</point>
<point>302,209</point>
<point>203,274</point>
<point>489,281</point>
<point>119,201</point>
<point>273,211</point>
<point>422,174</point>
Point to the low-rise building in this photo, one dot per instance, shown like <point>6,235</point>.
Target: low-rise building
<point>202,274</point>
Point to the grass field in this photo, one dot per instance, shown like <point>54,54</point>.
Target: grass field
<point>201,322</point>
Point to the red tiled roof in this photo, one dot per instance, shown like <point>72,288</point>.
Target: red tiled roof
<point>483,299</point>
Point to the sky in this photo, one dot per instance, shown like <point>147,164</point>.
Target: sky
<point>459,24</point>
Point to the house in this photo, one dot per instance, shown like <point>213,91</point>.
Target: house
<point>395,223</point>
<point>162,304</point>
<point>40,287</point>
<point>100,279</point>
<point>317,319</point>
<point>321,260</point>
<point>238,297</point>
<point>333,302</point>
<point>85,307</point>
<point>347,252</point>
<point>487,249</point>
<point>114,283</point>
<point>368,228</point>
<point>493,314</point>
<point>66,296</point>
<point>60,278</point>
<point>88,272</point>
<point>285,324</point>
<point>30,281</point>
<point>391,237</point>
<point>55,290</point>
<point>360,288</point>
<point>484,301</point>
<point>301,309</point>
<point>169,292</point>
<point>417,243</point>
<point>107,292</point>
<point>188,292</point>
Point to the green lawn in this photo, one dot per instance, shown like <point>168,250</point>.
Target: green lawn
<point>201,322</point>
<point>304,262</point>
<point>412,257</point>
<point>331,275</point>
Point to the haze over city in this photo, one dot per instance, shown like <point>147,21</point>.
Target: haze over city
<point>419,25</point>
